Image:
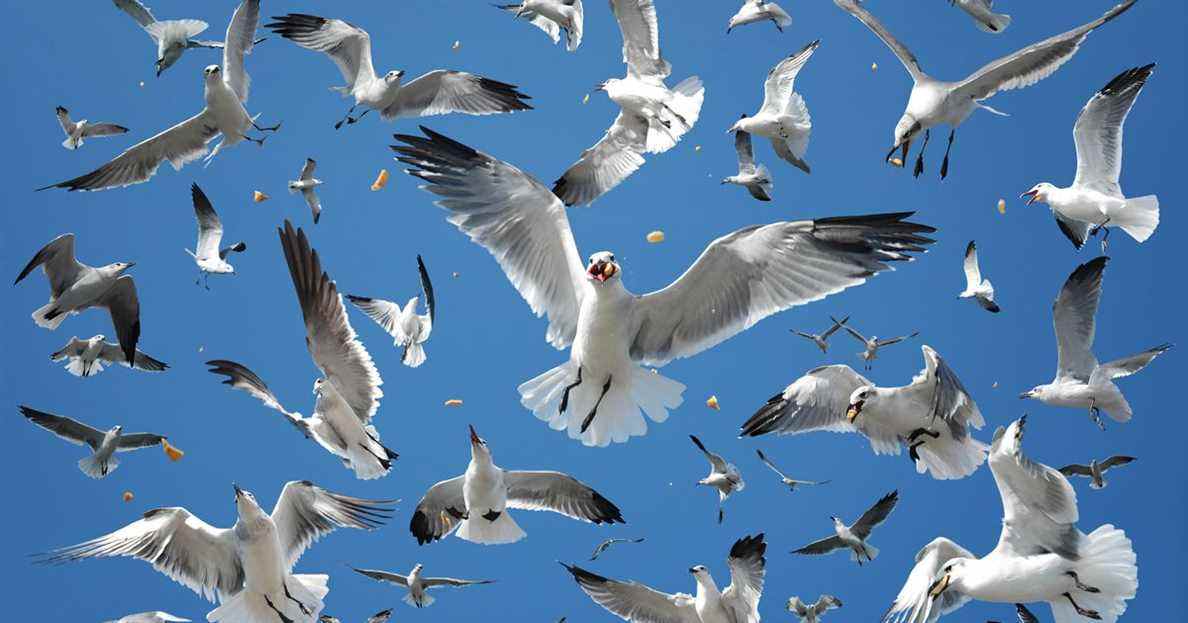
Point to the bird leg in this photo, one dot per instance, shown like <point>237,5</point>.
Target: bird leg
<point>945,165</point>
<point>922,431</point>
<point>1089,614</point>
<point>206,281</point>
<point>1095,413</point>
<point>346,117</point>
<point>777,25</point>
<point>568,388</point>
<point>283,618</point>
<point>1105,238</point>
<point>920,157</point>
<point>590,418</point>
<point>721,514</point>
<point>304,610</point>
<point>1079,585</point>
<point>492,514</point>
<point>273,128</point>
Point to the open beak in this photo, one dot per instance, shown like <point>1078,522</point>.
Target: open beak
<point>939,586</point>
<point>1031,195</point>
<point>853,412</point>
<point>1025,395</point>
<point>601,271</point>
<point>692,570</point>
<point>474,438</point>
<point>903,148</point>
<point>238,491</point>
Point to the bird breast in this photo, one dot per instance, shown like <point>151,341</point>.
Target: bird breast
<point>260,553</point>
<point>601,341</point>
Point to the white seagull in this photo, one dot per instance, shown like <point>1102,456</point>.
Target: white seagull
<point>811,613</point>
<point>1095,200</point>
<point>76,287</point>
<point>209,257</point>
<point>933,102</point>
<point>477,502</point>
<point>1081,382</point>
<point>931,416</point>
<point>755,11</point>
<point>150,617</point>
<point>822,340</point>
<point>791,483</point>
<point>854,537</point>
<point>438,92</point>
<point>348,391</point>
<point>552,16</point>
<point>416,584</point>
<point>977,287</point>
<point>652,117</point>
<point>723,476</point>
<point>225,90</point>
<point>76,131</point>
<point>872,344</point>
<point>982,12</point>
<point>739,279</point>
<point>1040,556</point>
<point>307,184</point>
<point>783,118</point>
<point>380,617</point>
<point>1095,471</point>
<point>605,545</point>
<point>638,603</point>
<point>103,444</point>
<point>754,177</point>
<point>90,356</point>
<point>409,330</point>
<point>173,36</point>
<point>248,567</point>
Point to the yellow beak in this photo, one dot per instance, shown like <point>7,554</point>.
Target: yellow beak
<point>853,411</point>
<point>939,587</point>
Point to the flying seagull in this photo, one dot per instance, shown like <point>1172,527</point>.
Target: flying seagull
<point>1082,382</point>
<point>1095,200</point>
<point>348,391</point>
<point>723,476</point>
<point>248,567</point>
<point>638,603</point>
<point>931,416</point>
<point>854,537</point>
<point>76,131</point>
<point>811,613</point>
<point>380,617</point>
<point>982,12</point>
<point>652,117</point>
<point>416,584</point>
<point>822,340</point>
<point>150,617</point>
<point>103,444</point>
<point>976,287</point>
<point>933,102</point>
<point>307,184</point>
<point>1040,556</point>
<point>75,287</point>
<point>173,37</point>
<point>754,177</point>
<point>791,483</point>
<point>872,344</point>
<point>438,92</point>
<point>477,502</point>
<point>783,119</point>
<point>89,357</point>
<point>605,545</point>
<point>1095,471</point>
<point>209,257</point>
<point>409,330</point>
<point>739,279</point>
<point>552,16</point>
<point>755,11</point>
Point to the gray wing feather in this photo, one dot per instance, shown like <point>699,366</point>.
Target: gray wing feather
<point>64,428</point>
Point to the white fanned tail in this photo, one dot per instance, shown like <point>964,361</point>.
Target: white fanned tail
<point>995,22</point>
<point>95,468</point>
<point>1107,563</point>
<point>501,531</point>
<point>252,607</point>
<point>39,316</point>
<point>426,600</point>
<point>948,459</point>
<point>1139,218</point>
<point>78,367</point>
<point>371,462</point>
<point>869,552</point>
<point>573,34</point>
<point>414,355</point>
<point>685,101</point>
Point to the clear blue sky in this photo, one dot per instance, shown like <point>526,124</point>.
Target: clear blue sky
<point>486,341</point>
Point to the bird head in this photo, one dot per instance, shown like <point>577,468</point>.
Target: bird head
<point>950,574</point>
<point>393,76</point>
<point>417,567</point>
<point>478,445</point>
<point>245,503</point>
<point>698,571</point>
<point>857,401</point>
<point>118,268</point>
<point>97,338</point>
<point>212,72</point>
<point>1039,192</point>
<point>906,130</point>
<point>317,388</point>
<point>836,520</point>
<point>117,429</point>
<point>1035,392</point>
<point>602,267</point>
<point>738,125</point>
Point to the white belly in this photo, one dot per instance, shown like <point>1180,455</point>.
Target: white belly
<point>1019,580</point>
<point>83,293</point>
<point>263,563</point>
<point>1086,205</point>
<point>229,114</point>
<point>484,491</point>
<point>601,343</point>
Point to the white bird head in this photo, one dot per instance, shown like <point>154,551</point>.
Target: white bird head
<point>478,445</point>
<point>394,76</point>
<point>417,567</point>
<point>212,72</point>
<point>246,505</point>
<point>740,125</point>
<point>698,571</point>
<point>170,53</point>
<point>1039,192</point>
<point>857,401</point>
<point>837,522</point>
<point>117,268</point>
<point>97,338</point>
<point>602,267</point>
<point>117,429</point>
<point>906,130</point>
<point>952,575</point>
<point>317,388</point>
<point>1036,392</point>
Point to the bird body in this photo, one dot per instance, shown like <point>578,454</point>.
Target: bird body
<point>208,255</point>
<point>306,184</point>
<point>173,37</point>
<point>982,12</point>
<point>724,477</point>
<point>755,11</point>
<point>872,344</point>
<point>1095,470</point>
<point>812,613</point>
<point>854,537</point>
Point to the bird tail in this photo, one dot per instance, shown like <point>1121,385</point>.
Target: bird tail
<point>371,460</point>
<point>426,600</point>
<point>78,367</point>
<point>1139,218</point>
<point>869,552</point>
<point>478,530</point>
<point>248,606</point>
<point>95,468</point>
<point>414,355</point>
<point>48,316</point>
<point>996,23</point>
<point>182,28</point>
<point>573,33</point>
<point>947,458</point>
<point>72,142</point>
<point>632,393</point>
<point>1108,564</point>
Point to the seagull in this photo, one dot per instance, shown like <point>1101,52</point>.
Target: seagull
<point>977,288</point>
<point>75,287</point>
<point>739,279</point>
<point>1095,200</point>
<point>1082,382</point>
<point>811,613</point>
<point>755,11</point>
<point>225,91</point>
<point>417,585</point>
<point>104,444</point>
<point>438,92</point>
<point>380,617</point>
<point>854,537</point>
<point>931,416</point>
<point>408,329</point>
<point>348,391</point>
<point>783,118</point>
<point>173,37</point>
<point>652,117</point>
<point>476,503</point>
<point>738,603</point>
<point>248,567</point>
<point>76,131</point>
<point>822,340</point>
<point>791,483</point>
<point>209,257</point>
<point>552,16</point>
<point>1094,470</point>
<point>89,357</point>
<point>933,102</point>
<point>603,546</point>
<point>723,476</point>
<point>755,178</point>
<point>873,343</point>
<point>307,183</point>
<point>1040,556</point>
<point>982,12</point>
<point>150,617</point>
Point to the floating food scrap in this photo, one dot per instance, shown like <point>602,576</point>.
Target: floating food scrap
<point>712,402</point>
<point>454,274</point>
<point>128,497</point>
<point>453,402</point>
<point>174,454</point>
<point>586,98</point>
<point>995,385</point>
<point>874,66</point>
<point>656,236</point>
<point>142,84</point>
<point>381,180</point>
<point>1002,206</point>
<point>697,148</point>
<point>457,46</point>
<point>258,196</point>
<point>896,161</point>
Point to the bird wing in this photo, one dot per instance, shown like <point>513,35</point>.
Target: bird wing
<point>136,441</point>
<point>856,335</point>
<point>549,27</point>
<point>64,428</point>
<point>427,291</point>
<point>825,603</point>
<point>1098,131</point>
<point>385,313</point>
<point>836,325</point>
<point>1115,461</point>
<point>938,390</point>
<point>307,169</point>
<point>384,576</point>
<point>210,228</point>
<point>313,201</point>
<point>1074,317</point>
<point>123,304</point>
<point>136,11</point>
<point>758,191</point>
<point>240,377</point>
<point>769,464</point>
<point>914,604</point>
<point>633,601</point>
<point>822,546</point>
<point>346,44</point>
<point>560,493</point>
<point>875,515</point>
<point>746,153</point>
<point>306,512</point>
<point>511,214</point>
<point>445,91</point>
<point>439,512</point>
<point>74,348</point>
<point>615,156</point>
<point>1076,470</point>
<point>905,56</point>
<point>894,340</point>
<point>778,88</point>
<point>757,271</point>
<point>816,401</point>
<point>1126,366</point>
<point>748,567</point>
<point>716,461</point>
<point>641,39</point>
<point>112,353</point>
<point>241,35</point>
<point>57,260</point>
<point>68,126</point>
<point>431,582</point>
<point>103,129</point>
<point>973,273</point>
<point>380,617</point>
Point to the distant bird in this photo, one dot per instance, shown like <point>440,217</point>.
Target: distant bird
<point>76,131</point>
<point>982,12</point>
<point>754,177</point>
<point>380,617</point>
<point>248,567</point>
<point>605,545</point>
<point>1095,200</point>
<point>822,340</point>
<point>477,502</point>
<point>409,330</point>
<point>723,476</point>
<point>103,444</point>
<point>1095,471</point>
<point>872,344</point>
<point>932,416</point>
<point>150,617</point>
<point>552,16</point>
<point>1082,382</point>
<point>791,483</point>
<point>933,102</point>
<point>416,584</point>
<point>738,602</point>
<point>755,11</point>
<point>783,118</point>
<point>307,184</point>
<point>76,287</point>
<point>811,613</point>
<point>438,92</point>
<point>739,279</point>
<point>652,118</point>
<point>173,37</point>
<point>209,257</point>
<point>854,537</point>
<point>89,357</point>
<point>977,288</point>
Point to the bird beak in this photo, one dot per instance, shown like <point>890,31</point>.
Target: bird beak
<point>601,271</point>
<point>939,586</point>
<point>160,68</point>
<point>903,147</point>
<point>853,412</point>
<point>238,491</point>
<point>1031,195</point>
<point>1026,394</point>
<point>692,570</point>
<point>474,438</point>
<point>131,264</point>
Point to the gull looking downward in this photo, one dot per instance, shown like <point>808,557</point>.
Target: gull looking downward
<point>209,257</point>
<point>173,36</point>
<point>811,613</point>
<point>754,177</point>
<point>723,476</point>
<point>89,357</point>
<point>976,287</point>
<point>982,12</point>
<point>306,183</point>
<point>755,11</point>
<point>783,118</point>
<point>552,16</point>
<point>409,330</point>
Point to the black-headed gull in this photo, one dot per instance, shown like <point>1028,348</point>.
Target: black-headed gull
<point>552,16</point>
<point>982,12</point>
<point>1095,470</point>
<point>754,177</point>
<point>724,477</point>
<point>307,184</point>
<point>872,344</point>
<point>755,11</point>
<point>783,119</point>
<point>76,131</point>
<point>208,255</point>
<point>416,584</point>
<point>854,537</point>
<point>791,483</point>
<point>172,36</point>
<point>605,545</point>
<point>822,340</point>
<point>409,330</point>
<point>977,287</point>
<point>90,356</point>
<point>103,444</point>
<point>811,613</point>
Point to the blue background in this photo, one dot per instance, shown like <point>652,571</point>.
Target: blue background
<point>486,341</point>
